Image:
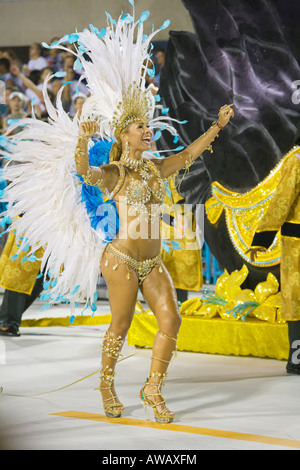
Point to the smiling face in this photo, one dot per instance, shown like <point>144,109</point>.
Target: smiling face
<point>138,135</point>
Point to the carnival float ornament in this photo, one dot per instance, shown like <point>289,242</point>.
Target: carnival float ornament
<point>236,61</point>
<point>243,212</point>
<point>230,302</point>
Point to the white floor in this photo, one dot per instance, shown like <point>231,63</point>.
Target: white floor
<point>253,398</point>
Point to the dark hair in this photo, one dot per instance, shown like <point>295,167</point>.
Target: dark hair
<point>35,76</point>
<point>4,61</point>
<point>47,68</point>
<point>116,148</point>
<point>39,46</point>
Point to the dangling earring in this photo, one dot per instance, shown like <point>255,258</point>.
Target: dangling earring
<point>126,151</point>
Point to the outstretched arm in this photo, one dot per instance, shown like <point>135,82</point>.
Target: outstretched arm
<point>106,176</point>
<point>184,159</point>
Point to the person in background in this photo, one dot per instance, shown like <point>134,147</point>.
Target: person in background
<point>15,67</point>
<point>159,62</point>
<point>33,92</point>
<point>73,88</point>
<point>78,102</point>
<point>14,304</point>
<point>17,110</point>
<point>33,84</point>
<point>4,108</point>
<point>4,69</point>
<point>36,59</point>
<point>56,86</point>
<point>55,58</point>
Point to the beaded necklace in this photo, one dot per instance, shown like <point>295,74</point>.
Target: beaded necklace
<point>131,163</point>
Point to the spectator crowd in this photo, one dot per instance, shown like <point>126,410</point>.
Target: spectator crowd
<point>21,84</point>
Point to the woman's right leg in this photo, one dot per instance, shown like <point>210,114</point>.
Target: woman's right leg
<point>160,295</point>
<point>122,294</point>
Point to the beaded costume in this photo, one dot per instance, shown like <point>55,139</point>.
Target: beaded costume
<point>83,202</point>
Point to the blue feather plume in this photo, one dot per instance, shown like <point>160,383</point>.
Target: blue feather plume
<point>102,211</point>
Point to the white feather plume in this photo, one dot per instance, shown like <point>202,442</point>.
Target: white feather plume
<point>111,60</point>
<point>45,192</point>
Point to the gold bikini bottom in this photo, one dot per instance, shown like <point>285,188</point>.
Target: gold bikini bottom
<point>141,268</point>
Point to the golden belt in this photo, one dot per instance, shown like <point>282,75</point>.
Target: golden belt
<point>141,268</point>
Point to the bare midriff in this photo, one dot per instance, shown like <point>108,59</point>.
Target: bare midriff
<point>139,230</point>
<point>137,237</point>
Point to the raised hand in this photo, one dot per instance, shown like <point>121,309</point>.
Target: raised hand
<point>88,128</point>
<point>225,114</point>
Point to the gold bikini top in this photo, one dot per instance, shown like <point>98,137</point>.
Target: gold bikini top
<point>139,191</point>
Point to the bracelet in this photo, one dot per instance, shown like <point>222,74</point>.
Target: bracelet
<point>215,123</point>
<point>188,161</point>
<point>79,155</point>
<point>87,179</point>
<point>85,137</point>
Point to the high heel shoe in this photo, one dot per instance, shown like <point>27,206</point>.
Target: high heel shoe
<point>165,415</point>
<point>114,409</point>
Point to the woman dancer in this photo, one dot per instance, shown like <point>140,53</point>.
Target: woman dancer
<point>132,260</point>
<point>47,192</point>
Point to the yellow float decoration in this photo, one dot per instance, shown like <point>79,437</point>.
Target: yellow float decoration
<point>181,247</point>
<point>231,302</point>
<point>18,272</point>
<point>243,213</point>
<point>229,321</point>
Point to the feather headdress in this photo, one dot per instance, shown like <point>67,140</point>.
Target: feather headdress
<point>114,62</point>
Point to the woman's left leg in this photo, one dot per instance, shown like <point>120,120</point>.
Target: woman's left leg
<point>160,294</point>
<point>122,294</point>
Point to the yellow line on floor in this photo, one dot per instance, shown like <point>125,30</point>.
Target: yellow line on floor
<point>65,321</point>
<point>182,428</point>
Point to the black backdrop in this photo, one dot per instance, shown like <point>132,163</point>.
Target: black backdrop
<point>244,52</point>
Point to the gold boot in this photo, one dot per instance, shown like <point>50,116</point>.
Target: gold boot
<point>114,408</point>
<point>165,346</point>
<point>112,346</point>
<point>164,415</point>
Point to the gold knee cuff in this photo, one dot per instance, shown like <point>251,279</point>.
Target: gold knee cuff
<point>112,346</point>
<point>107,375</point>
